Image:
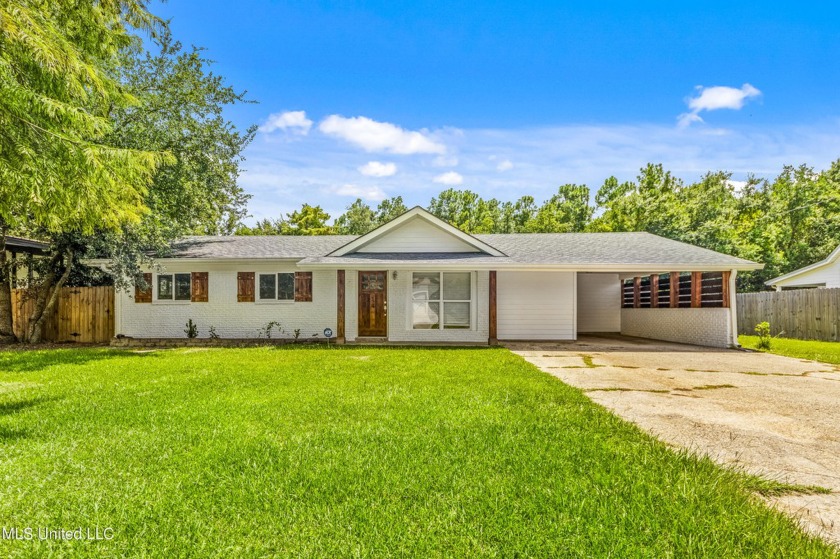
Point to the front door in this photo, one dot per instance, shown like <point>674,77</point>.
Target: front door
<point>373,304</point>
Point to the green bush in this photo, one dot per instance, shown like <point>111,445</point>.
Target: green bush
<point>191,330</point>
<point>762,330</point>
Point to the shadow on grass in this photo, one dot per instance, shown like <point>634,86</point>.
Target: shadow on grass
<point>8,408</point>
<point>9,435</point>
<point>40,359</point>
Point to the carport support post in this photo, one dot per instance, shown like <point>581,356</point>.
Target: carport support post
<point>654,291</point>
<point>675,290</point>
<point>696,289</point>
<point>637,292</point>
<point>492,340</point>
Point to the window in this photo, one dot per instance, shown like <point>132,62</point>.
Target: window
<point>441,295</point>
<point>174,287</point>
<point>279,287</point>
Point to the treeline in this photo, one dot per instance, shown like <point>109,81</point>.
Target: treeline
<point>786,223</point>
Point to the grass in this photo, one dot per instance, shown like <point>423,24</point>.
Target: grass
<point>352,452</point>
<point>826,352</point>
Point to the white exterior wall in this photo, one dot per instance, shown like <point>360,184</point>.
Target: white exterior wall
<point>400,309</point>
<point>418,235</point>
<point>829,275</point>
<point>706,327</point>
<point>167,319</point>
<point>536,305</point>
<point>598,303</point>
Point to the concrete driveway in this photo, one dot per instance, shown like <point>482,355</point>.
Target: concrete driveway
<point>773,416</point>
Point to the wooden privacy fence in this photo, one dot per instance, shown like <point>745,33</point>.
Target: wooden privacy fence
<point>81,314</point>
<point>806,314</point>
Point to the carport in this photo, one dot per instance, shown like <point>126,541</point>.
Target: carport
<point>694,307</point>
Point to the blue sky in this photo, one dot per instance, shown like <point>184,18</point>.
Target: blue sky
<point>376,99</point>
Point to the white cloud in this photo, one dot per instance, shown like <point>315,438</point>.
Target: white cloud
<point>505,165</point>
<point>715,98</point>
<point>293,121</point>
<point>445,161</point>
<point>373,136</point>
<point>372,193</point>
<point>377,169</point>
<point>309,170</point>
<point>450,179</point>
<point>737,186</point>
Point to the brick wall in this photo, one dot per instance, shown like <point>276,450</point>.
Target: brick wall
<point>706,327</point>
<point>166,319</point>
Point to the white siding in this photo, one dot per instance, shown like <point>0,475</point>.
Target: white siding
<point>598,303</point>
<point>230,318</point>
<point>536,305</point>
<point>418,235</point>
<point>829,275</point>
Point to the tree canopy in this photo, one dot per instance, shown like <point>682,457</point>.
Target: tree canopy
<point>785,222</point>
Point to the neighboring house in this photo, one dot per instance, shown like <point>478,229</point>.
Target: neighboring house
<point>825,273</point>
<point>418,279</point>
<point>20,253</point>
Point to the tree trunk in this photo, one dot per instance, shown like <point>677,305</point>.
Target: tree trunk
<point>7,330</point>
<point>46,299</point>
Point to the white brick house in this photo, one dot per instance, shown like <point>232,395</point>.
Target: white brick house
<point>417,279</point>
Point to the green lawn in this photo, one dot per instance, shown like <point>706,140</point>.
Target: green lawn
<point>352,452</point>
<point>827,352</point>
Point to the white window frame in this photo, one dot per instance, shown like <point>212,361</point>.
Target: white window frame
<point>442,301</point>
<point>171,301</point>
<point>274,300</point>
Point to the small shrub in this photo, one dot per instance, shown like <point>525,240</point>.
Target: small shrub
<point>269,328</point>
<point>191,330</point>
<point>297,333</point>
<point>213,334</point>
<point>762,330</point>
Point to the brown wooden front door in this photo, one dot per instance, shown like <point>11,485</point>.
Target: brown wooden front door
<point>373,304</point>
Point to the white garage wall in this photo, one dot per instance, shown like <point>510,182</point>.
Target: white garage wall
<point>598,303</point>
<point>536,305</point>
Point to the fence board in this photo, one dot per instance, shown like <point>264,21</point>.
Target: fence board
<point>81,314</point>
<point>807,314</point>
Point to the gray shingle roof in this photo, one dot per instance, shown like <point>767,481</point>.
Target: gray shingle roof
<point>271,247</point>
<point>597,249</point>
<point>605,248</point>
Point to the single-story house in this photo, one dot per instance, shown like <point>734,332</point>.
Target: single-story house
<point>417,280</point>
<point>825,273</point>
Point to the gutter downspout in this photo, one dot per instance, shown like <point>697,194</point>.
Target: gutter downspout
<point>733,309</point>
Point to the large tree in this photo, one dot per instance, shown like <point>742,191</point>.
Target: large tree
<point>58,171</point>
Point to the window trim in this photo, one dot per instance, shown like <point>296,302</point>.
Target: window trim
<point>258,299</point>
<point>441,327</point>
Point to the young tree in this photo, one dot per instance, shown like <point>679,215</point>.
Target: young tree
<point>58,172</point>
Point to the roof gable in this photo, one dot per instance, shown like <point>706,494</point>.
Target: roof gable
<point>417,231</point>
<point>830,259</point>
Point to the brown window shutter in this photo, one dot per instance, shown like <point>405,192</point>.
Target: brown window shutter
<point>303,286</point>
<point>199,287</point>
<point>144,295</point>
<point>245,287</point>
